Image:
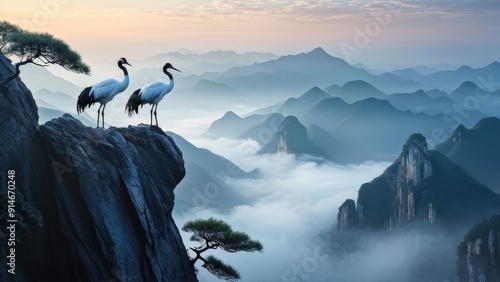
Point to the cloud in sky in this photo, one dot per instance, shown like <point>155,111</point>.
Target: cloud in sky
<point>98,28</point>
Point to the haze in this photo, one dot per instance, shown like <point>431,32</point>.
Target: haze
<point>397,33</point>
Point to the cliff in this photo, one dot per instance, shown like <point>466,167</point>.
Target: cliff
<point>291,138</point>
<point>106,197</point>
<point>423,186</point>
<point>479,253</point>
<point>425,202</point>
<point>347,218</point>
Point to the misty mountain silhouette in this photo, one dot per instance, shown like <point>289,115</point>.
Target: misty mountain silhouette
<point>214,57</point>
<point>451,79</point>
<point>466,89</point>
<point>472,98</point>
<point>332,89</point>
<point>264,131</point>
<point>334,151</point>
<point>419,101</point>
<point>37,78</point>
<point>477,151</point>
<point>300,72</point>
<point>299,106</point>
<point>358,90</point>
<point>204,184</point>
<point>206,159</point>
<point>291,138</point>
<point>232,125</point>
<point>371,128</point>
<point>207,93</point>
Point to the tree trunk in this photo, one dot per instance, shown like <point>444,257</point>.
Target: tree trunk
<point>16,73</point>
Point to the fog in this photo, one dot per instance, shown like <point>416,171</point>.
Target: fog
<point>295,198</point>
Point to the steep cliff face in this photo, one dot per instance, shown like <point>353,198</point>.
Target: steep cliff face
<point>413,168</point>
<point>479,253</point>
<point>291,138</point>
<point>427,200</point>
<point>106,197</point>
<point>423,185</point>
<point>347,218</point>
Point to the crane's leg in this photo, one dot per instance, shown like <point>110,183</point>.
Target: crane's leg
<point>151,120</point>
<point>156,118</point>
<point>98,113</point>
<point>103,115</point>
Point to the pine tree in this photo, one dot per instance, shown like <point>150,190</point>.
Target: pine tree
<point>213,234</point>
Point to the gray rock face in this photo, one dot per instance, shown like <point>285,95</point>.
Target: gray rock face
<point>347,217</point>
<point>423,186</point>
<point>106,197</point>
<point>291,138</point>
<point>479,254</point>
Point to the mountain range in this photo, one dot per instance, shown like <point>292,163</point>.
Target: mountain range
<point>204,184</point>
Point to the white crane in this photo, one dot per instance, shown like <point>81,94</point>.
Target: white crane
<point>151,94</point>
<point>103,92</point>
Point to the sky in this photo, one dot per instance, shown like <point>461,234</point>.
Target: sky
<point>374,32</point>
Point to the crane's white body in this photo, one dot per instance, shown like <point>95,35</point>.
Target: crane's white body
<point>151,94</point>
<point>103,92</point>
<point>154,92</point>
<point>106,90</point>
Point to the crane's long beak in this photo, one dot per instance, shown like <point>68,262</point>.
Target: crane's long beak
<point>128,64</point>
<point>176,69</point>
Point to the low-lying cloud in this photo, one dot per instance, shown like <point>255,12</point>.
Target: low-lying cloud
<point>294,199</point>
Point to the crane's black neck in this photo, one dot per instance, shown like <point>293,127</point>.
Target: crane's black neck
<point>120,65</point>
<point>165,70</point>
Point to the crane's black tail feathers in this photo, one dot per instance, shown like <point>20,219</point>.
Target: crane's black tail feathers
<point>133,103</point>
<point>84,100</point>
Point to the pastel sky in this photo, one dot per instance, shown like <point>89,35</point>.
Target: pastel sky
<point>376,32</point>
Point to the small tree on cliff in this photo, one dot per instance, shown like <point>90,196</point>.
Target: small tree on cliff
<point>41,49</point>
<point>213,234</point>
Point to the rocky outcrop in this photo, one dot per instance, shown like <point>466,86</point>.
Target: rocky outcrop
<point>425,186</point>
<point>479,254</point>
<point>291,138</point>
<point>106,197</point>
<point>413,168</point>
<point>427,200</point>
<point>347,218</point>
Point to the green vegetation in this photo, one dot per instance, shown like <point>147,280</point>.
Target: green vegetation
<point>213,234</point>
<point>41,49</point>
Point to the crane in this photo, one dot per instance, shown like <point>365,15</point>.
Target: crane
<point>103,92</point>
<point>151,94</point>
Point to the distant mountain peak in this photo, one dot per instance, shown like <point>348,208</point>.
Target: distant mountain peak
<point>357,83</point>
<point>231,115</point>
<point>414,161</point>
<point>489,123</point>
<point>226,52</point>
<point>464,68</point>
<point>315,94</point>
<point>417,140</point>
<point>319,51</point>
<point>467,87</point>
<point>468,84</point>
<point>291,138</point>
